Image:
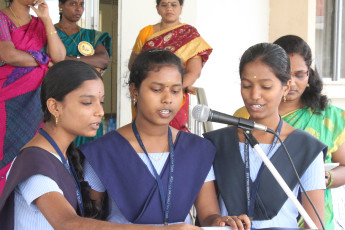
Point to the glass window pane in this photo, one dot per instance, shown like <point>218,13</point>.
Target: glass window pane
<point>342,68</point>
<point>324,42</point>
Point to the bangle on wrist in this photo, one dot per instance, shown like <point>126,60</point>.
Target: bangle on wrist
<point>78,58</point>
<point>330,182</point>
<point>52,32</point>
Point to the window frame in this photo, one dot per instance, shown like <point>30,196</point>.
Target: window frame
<point>329,43</point>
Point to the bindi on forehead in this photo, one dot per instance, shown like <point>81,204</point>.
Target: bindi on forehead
<point>172,3</point>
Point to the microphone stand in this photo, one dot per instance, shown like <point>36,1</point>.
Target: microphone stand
<point>255,144</point>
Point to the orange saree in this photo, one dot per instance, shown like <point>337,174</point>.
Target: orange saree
<point>184,41</point>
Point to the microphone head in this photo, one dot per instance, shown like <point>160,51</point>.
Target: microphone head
<point>201,113</point>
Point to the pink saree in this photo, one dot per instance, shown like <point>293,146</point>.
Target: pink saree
<point>20,106</point>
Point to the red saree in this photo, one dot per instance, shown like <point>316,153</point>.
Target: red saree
<point>20,107</point>
<point>184,41</point>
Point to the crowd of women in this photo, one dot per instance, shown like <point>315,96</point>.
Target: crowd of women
<point>148,174</point>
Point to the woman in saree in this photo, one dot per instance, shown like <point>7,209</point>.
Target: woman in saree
<point>307,109</point>
<point>181,39</point>
<point>28,47</point>
<point>87,45</point>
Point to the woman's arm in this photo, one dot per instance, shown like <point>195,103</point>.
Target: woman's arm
<point>208,210</point>
<point>132,59</point>
<point>318,199</point>
<point>99,60</point>
<point>55,48</point>
<point>338,172</point>
<point>61,216</point>
<point>313,182</point>
<point>193,71</point>
<point>11,56</point>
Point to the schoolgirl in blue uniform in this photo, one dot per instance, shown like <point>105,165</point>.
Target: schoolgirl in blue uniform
<point>244,183</point>
<point>153,173</point>
<point>45,188</point>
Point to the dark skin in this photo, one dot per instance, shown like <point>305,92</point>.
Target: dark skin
<point>160,92</point>
<point>72,10</point>
<point>53,205</point>
<point>262,92</point>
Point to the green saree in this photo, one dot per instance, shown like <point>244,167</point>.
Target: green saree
<point>94,37</point>
<point>329,127</point>
<point>71,43</point>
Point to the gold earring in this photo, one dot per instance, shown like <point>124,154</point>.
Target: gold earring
<point>134,101</point>
<point>284,98</point>
<point>56,120</point>
<point>308,85</point>
<point>60,10</point>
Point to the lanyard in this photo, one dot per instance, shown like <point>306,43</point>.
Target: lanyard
<point>165,204</point>
<point>251,192</point>
<point>70,168</point>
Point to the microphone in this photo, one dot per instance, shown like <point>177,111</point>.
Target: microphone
<point>203,113</point>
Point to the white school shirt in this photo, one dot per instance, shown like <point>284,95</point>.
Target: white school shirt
<point>312,179</point>
<point>158,161</point>
<point>26,214</point>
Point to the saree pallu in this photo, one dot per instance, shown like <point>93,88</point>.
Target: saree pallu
<point>329,127</point>
<point>20,106</point>
<point>184,41</point>
<point>94,38</point>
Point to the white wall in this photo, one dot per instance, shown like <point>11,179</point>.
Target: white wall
<point>133,16</point>
<point>230,27</point>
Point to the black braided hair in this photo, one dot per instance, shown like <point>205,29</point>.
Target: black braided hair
<point>61,79</point>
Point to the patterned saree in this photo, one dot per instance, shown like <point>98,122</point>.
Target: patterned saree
<point>184,41</point>
<point>329,127</point>
<point>20,106</point>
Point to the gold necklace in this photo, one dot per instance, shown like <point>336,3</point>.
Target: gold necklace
<point>70,36</point>
<point>162,154</point>
<point>156,159</point>
<point>15,17</point>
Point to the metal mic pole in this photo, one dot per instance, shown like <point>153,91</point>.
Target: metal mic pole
<point>254,143</point>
